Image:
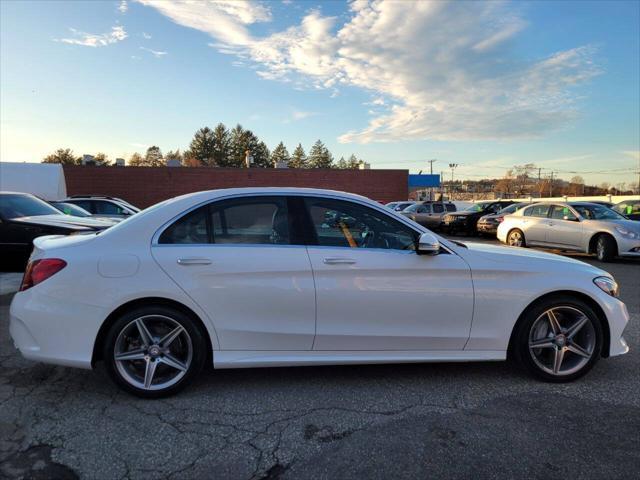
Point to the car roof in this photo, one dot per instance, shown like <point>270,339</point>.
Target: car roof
<point>223,192</point>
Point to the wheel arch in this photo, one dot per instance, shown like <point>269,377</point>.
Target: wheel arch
<point>143,302</point>
<point>606,340</point>
<point>591,246</point>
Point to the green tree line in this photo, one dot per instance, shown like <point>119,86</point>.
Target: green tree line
<point>221,147</point>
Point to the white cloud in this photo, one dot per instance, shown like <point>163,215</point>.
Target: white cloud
<point>146,36</point>
<point>117,34</point>
<point>123,7</point>
<point>300,115</point>
<point>635,154</point>
<point>155,53</point>
<point>445,70</point>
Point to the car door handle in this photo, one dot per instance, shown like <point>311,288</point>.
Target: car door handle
<point>339,261</point>
<point>193,261</point>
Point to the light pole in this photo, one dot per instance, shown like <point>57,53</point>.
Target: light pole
<point>431,172</point>
<point>452,166</point>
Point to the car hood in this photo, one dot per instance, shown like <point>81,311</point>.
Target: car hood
<point>522,256</point>
<point>64,221</point>
<point>629,224</point>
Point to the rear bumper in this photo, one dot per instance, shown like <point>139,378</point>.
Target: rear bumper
<point>51,330</point>
<point>488,228</point>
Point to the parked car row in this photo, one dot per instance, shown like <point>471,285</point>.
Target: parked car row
<point>24,217</point>
<point>575,226</point>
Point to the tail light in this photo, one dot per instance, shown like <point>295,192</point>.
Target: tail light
<point>39,270</point>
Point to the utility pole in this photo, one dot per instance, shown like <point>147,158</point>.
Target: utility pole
<point>539,189</point>
<point>431,171</point>
<point>452,166</point>
<point>551,185</point>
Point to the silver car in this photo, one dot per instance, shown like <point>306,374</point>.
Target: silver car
<point>580,226</point>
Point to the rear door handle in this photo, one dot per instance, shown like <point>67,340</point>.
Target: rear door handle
<point>339,261</point>
<point>193,261</point>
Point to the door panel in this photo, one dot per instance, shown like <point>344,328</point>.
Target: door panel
<point>563,233</point>
<point>255,286</point>
<point>391,300</point>
<point>535,224</point>
<point>373,292</point>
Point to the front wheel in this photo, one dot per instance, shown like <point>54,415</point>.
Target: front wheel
<point>515,238</point>
<point>154,351</point>
<point>559,340</point>
<point>606,248</point>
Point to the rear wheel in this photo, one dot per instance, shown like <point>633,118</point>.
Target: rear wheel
<point>515,238</point>
<point>559,339</point>
<point>606,248</point>
<point>154,351</point>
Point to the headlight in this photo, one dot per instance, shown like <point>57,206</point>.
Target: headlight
<point>625,232</point>
<point>607,285</point>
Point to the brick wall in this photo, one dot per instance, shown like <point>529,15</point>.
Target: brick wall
<point>144,186</point>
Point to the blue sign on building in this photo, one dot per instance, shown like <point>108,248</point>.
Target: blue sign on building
<point>422,181</point>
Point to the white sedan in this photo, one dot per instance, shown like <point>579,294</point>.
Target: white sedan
<point>276,277</point>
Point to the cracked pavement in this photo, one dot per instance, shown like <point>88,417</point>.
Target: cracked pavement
<point>385,421</point>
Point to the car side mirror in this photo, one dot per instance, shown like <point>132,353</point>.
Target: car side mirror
<point>428,244</point>
<point>571,219</point>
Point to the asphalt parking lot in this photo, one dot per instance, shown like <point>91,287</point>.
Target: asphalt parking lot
<point>386,421</point>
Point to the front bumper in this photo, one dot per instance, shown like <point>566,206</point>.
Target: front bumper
<point>628,247</point>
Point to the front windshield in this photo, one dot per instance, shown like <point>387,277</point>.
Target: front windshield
<point>597,212</point>
<point>17,205</point>
<point>477,207</point>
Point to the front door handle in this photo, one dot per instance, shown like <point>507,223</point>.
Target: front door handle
<point>193,261</point>
<point>339,261</point>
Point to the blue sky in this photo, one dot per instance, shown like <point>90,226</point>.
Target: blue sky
<point>485,85</point>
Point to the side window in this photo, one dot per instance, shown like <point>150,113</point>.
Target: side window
<point>107,208</point>
<point>422,209</point>
<point>190,229</point>
<point>450,207</point>
<point>540,211</point>
<point>437,208</point>
<point>251,220</point>
<point>559,213</point>
<point>339,223</point>
<point>86,204</point>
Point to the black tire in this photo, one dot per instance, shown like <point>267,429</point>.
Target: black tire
<point>193,332</point>
<point>520,347</point>
<point>606,247</point>
<point>524,241</point>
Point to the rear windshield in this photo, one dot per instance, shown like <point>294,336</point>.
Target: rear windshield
<point>477,207</point>
<point>16,206</point>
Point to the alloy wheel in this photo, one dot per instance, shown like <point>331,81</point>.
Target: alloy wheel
<point>153,352</point>
<point>562,341</point>
<point>515,239</point>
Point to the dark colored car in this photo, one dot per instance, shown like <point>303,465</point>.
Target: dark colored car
<point>466,220</point>
<point>629,208</point>
<point>488,224</point>
<point>24,217</point>
<point>429,214</point>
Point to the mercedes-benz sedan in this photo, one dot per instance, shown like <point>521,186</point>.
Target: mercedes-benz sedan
<point>277,277</point>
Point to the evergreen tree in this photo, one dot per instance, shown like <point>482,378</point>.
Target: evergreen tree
<point>101,159</point>
<point>320,156</point>
<point>237,147</point>
<point>136,160</point>
<point>280,154</point>
<point>342,164</point>
<point>171,155</point>
<point>64,156</point>
<point>153,157</point>
<point>299,158</point>
<point>353,162</point>
<point>202,146</point>
<point>261,155</point>
<point>221,146</point>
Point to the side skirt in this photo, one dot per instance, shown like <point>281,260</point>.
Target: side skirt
<point>253,359</point>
